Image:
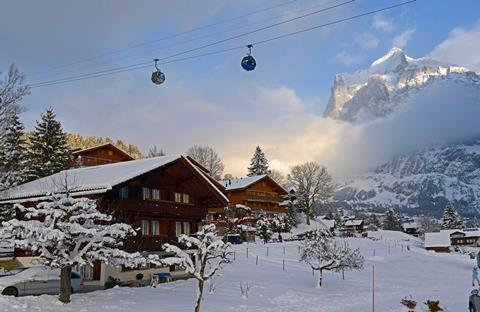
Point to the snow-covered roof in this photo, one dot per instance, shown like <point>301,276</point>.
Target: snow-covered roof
<point>328,223</point>
<point>233,184</point>
<point>437,239</point>
<point>91,180</point>
<point>353,222</point>
<point>410,225</point>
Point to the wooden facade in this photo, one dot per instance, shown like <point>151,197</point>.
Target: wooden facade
<point>99,155</point>
<point>263,194</point>
<point>160,204</point>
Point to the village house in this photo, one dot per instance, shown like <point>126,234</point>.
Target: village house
<point>352,227</point>
<point>445,239</point>
<point>98,155</point>
<point>411,228</point>
<point>162,197</point>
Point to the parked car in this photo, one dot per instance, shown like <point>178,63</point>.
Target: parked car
<point>36,281</point>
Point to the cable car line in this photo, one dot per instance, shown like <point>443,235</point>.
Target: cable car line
<point>187,41</point>
<point>144,65</point>
<point>212,43</point>
<point>167,37</point>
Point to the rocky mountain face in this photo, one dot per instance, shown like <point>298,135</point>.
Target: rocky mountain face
<point>391,80</point>
<point>420,182</point>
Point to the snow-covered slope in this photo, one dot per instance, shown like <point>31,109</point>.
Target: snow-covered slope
<point>391,80</point>
<point>424,182</point>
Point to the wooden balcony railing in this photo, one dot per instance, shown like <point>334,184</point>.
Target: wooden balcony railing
<point>165,208</point>
<point>147,243</point>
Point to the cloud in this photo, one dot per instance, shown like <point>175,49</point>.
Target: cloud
<point>383,23</point>
<point>366,41</point>
<point>402,39</point>
<point>347,58</point>
<point>461,47</point>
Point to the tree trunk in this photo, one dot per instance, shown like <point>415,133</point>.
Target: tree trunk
<point>199,295</point>
<point>65,284</point>
<point>319,281</point>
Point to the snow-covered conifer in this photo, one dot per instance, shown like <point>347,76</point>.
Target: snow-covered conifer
<point>258,163</point>
<point>451,218</point>
<point>12,153</point>
<point>65,232</point>
<point>264,229</point>
<point>212,255</point>
<point>321,252</point>
<point>48,150</point>
<point>392,221</point>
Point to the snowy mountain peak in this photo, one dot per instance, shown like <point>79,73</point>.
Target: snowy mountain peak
<point>377,91</point>
<point>395,56</point>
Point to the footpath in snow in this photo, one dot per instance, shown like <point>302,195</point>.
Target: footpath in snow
<point>399,272</point>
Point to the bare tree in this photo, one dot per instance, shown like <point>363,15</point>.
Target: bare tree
<point>313,185</point>
<point>212,255</point>
<point>208,158</point>
<point>155,152</point>
<point>12,90</point>
<point>278,177</point>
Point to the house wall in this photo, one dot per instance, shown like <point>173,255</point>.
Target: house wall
<point>98,156</point>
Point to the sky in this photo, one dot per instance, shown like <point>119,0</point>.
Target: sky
<point>211,100</point>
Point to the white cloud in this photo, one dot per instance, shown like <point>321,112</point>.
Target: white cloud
<point>461,47</point>
<point>402,39</point>
<point>366,41</point>
<point>347,58</point>
<point>381,22</point>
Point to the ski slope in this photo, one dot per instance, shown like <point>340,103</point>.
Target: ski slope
<point>398,272</point>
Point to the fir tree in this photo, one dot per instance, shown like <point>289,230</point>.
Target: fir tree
<point>12,153</point>
<point>451,218</point>
<point>48,151</point>
<point>258,163</point>
<point>392,221</point>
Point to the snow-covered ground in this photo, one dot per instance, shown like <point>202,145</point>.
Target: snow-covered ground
<point>398,273</point>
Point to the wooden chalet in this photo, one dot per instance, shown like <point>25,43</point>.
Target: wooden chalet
<point>99,155</point>
<point>162,196</point>
<point>352,227</point>
<point>259,193</point>
<point>445,239</point>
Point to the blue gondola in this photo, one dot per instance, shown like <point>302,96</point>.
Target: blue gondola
<point>248,62</point>
<point>157,76</point>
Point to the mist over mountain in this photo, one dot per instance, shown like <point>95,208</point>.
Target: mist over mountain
<point>419,125</point>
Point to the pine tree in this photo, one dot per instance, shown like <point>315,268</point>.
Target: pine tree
<point>12,153</point>
<point>48,151</point>
<point>258,163</point>
<point>451,218</point>
<point>392,221</point>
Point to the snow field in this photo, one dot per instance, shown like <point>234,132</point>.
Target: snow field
<point>423,274</point>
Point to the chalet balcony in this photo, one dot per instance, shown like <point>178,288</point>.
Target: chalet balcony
<point>147,243</point>
<point>159,207</point>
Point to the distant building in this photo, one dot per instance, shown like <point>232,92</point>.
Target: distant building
<point>352,227</point>
<point>444,240</point>
<point>411,228</point>
<point>99,155</point>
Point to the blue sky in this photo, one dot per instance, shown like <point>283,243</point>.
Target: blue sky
<point>212,100</point>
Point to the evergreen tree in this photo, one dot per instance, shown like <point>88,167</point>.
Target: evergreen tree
<point>258,163</point>
<point>12,153</point>
<point>48,151</point>
<point>392,221</point>
<point>451,218</point>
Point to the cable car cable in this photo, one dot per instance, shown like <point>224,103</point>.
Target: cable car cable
<point>143,65</point>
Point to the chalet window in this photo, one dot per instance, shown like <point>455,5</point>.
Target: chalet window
<point>178,228</point>
<point>146,193</point>
<point>178,197</point>
<point>145,225</point>
<point>123,192</point>
<point>186,228</point>
<point>186,198</point>
<point>155,228</point>
<point>155,194</point>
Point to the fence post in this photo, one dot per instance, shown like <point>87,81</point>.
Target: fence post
<point>283,266</point>
<point>234,256</point>
<point>247,252</point>
<point>256,260</point>
<point>267,251</point>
